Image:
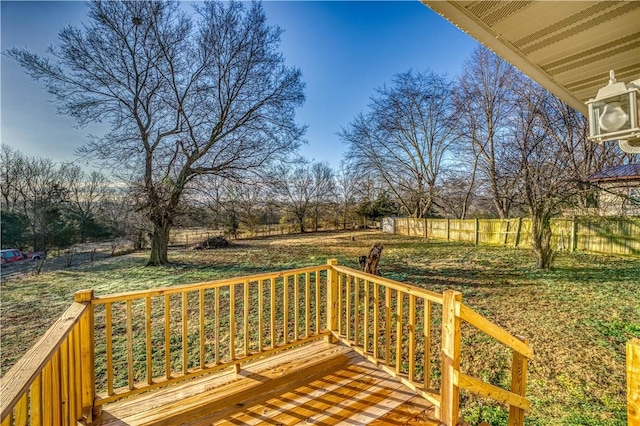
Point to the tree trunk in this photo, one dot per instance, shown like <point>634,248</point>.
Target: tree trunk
<point>159,244</point>
<point>541,239</point>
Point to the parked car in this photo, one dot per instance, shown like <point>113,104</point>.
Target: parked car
<point>15,255</point>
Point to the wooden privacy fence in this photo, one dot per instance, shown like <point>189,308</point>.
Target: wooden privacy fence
<point>587,234</point>
<point>108,347</point>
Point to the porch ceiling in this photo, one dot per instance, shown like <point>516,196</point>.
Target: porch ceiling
<point>566,46</point>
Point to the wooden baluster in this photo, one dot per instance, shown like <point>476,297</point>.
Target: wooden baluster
<point>109,344</point>
<point>340,304</point>
<point>56,391</point>
<point>449,391</point>
<point>272,301</point>
<point>356,311</point>
<point>148,344</point>
<point>167,336</point>
<point>427,343</point>
<point>348,295</point>
<point>46,395</point>
<point>376,318</point>
<point>65,389</point>
<point>203,336</point>
<point>232,322</point>
<point>285,314</point>
<point>78,371</point>
<point>317,302</point>
<point>307,304</point>
<point>216,329</point>
<point>518,382</point>
<point>333,313</point>
<point>296,305</point>
<point>366,316</point>
<point>246,318</point>
<point>387,323</point>
<point>35,399</point>
<point>412,337</point>
<point>129,322</point>
<point>22,410</point>
<point>185,333</point>
<point>399,301</point>
<point>260,315</point>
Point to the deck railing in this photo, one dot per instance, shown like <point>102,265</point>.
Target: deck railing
<point>108,347</point>
<point>148,339</point>
<point>53,383</point>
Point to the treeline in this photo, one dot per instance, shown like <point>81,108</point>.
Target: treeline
<point>49,206</point>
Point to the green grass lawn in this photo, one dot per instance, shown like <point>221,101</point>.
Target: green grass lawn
<point>577,316</point>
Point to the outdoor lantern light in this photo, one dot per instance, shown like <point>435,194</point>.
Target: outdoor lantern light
<point>614,114</point>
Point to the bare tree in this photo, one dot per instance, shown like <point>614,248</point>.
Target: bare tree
<point>86,193</point>
<point>295,189</point>
<point>553,154</point>
<point>12,176</point>
<point>323,188</point>
<point>485,103</point>
<point>347,185</point>
<point>185,95</point>
<point>405,137</point>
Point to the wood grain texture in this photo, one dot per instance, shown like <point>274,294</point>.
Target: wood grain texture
<point>319,382</point>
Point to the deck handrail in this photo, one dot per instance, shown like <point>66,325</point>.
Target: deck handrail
<point>175,333</point>
<point>195,313</point>
<point>356,320</point>
<point>54,382</point>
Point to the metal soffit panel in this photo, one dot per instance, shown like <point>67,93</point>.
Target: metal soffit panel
<point>567,46</point>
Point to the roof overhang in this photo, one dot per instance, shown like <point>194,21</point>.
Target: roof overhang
<point>566,46</point>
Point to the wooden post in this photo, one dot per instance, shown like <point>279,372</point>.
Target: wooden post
<point>518,381</point>
<point>506,233</point>
<point>477,238</point>
<point>448,229</point>
<point>332,298</point>
<point>574,232</point>
<point>518,229</point>
<point>449,391</point>
<point>87,356</point>
<point>633,381</point>
<point>426,233</point>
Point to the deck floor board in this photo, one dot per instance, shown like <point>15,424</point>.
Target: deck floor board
<point>318,383</point>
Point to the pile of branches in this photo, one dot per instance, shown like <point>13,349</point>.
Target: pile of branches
<point>213,243</point>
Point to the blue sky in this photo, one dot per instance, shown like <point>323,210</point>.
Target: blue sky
<point>345,51</point>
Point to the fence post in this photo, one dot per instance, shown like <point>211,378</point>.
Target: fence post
<point>518,381</point>
<point>477,237</point>
<point>448,229</point>
<point>449,391</point>
<point>574,232</point>
<point>426,233</point>
<point>517,239</point>
<point>87,356</point>
<point>332,298</point>
<point>633,381</point>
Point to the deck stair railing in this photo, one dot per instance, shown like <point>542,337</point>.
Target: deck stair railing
<point>108,347</point>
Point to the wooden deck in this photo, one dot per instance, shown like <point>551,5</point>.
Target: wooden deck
<point>318,383</point>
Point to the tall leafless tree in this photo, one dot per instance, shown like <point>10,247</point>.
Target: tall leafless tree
<point>323,189</point>
<point>554,156</point>
<point>405,137</point>
<point>485,103</point>
<point>86,193</point>
<point>185,95</point>
<point>347,185</point>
